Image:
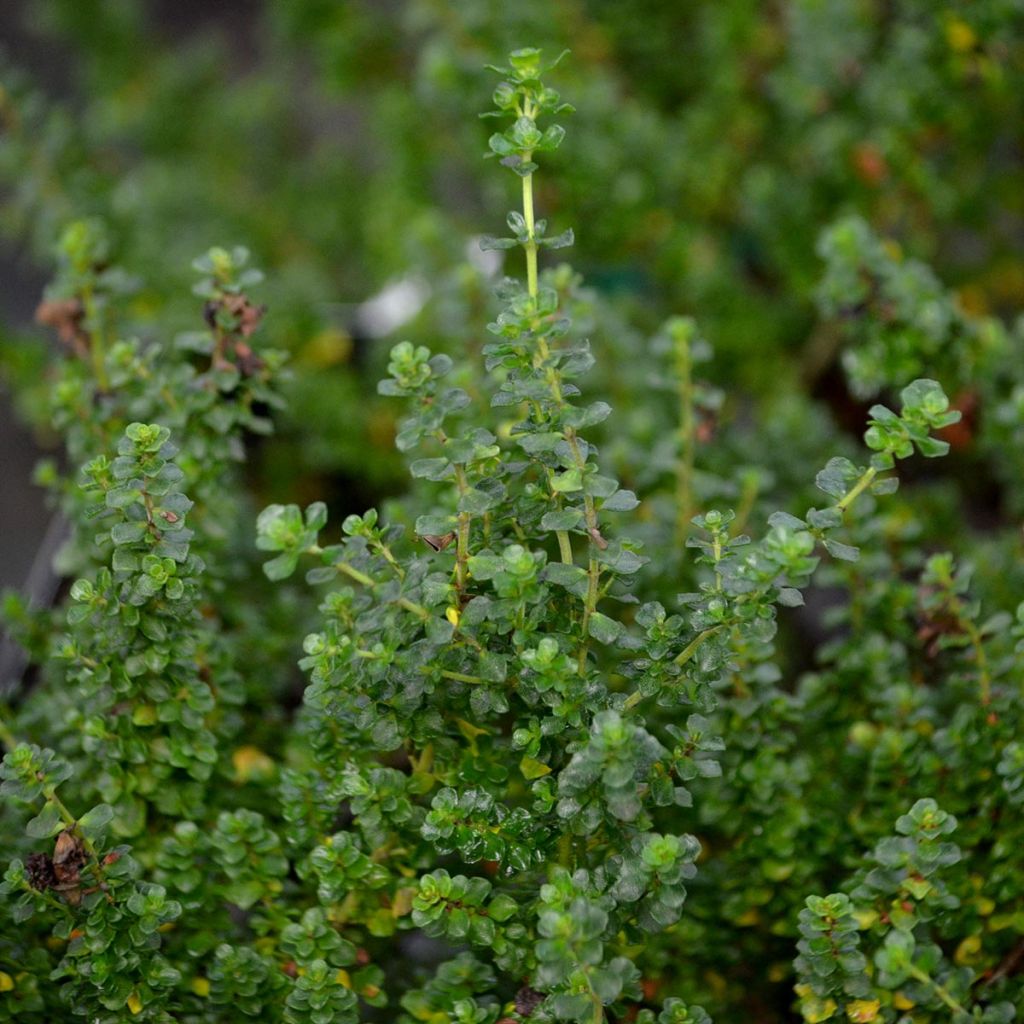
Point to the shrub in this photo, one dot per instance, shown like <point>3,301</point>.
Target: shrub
<point>546,766</point>
<point>713,143</point>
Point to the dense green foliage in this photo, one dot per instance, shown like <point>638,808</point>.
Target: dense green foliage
<point>569,745</point>
<point>713,143</point>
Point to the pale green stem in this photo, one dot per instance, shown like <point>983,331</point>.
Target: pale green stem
<point>717,553</point>
<point>9,740</point>
<point>748,495</point>
<point>680,659</point>
<point>462,536</point>
<point>97,345</point>
<point>687,442</point>
<point>385,552</point>
<point>459,677</point>
<point>564,546</point>
<point>865,481</point>
<point>978,645</point>
<point>531,243</point>
<point>939,990</point>
<point>590,512</point>
<point>369,582</point>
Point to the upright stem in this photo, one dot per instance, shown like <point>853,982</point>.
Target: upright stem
<point>680,659</point>
<point>967,624</point>
<point>370,583</point>
<point>71,823</point>
<point>981,659</point>
<point>687,440</point>
<point>716,552</point>
<point>531,244</point>
<point>748,495</point>
<point>564,544</point>
<point>565,547</point>
<point>97,346</point>
<point>7,738</point>
<point>940,990</point>
<point>462,535</point>
<point>862,484</point>
<point>543,353</point>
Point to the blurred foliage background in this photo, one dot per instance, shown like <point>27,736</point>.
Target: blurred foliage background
<point>774,170</point>
<point>338,140</point>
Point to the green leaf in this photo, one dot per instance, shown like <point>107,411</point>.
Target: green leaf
<point>604,629</point>
<point>282,567</point>
<point>562,519</point>
<point>489,243</point>
<point>561,241</point>
<point>836,477</point>
<point>593,414</point>
<point>844,552</point>
<point>95,821</point>
<point>46,823</point>
<point>502,907</point>
<point>573,577</point>
<point>316,516</point>
<point>570,480</point>
<point>127,533</point>
<point>620,501</point>
<point>434,526</point>
<point>542,441</point>
<point>476,501</point>
<point>485,566</point>
<point>432,469</point>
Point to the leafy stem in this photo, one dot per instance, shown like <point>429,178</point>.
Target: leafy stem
<point>940,990</point>
<point>97,343</point>
<point>865,481</point>
<point>531,241</point>
<point>685,655</point>
<point>543,359</point>
<point>462,534</point>
<point>687,439</point>
<point>7,737</point>
<point>71,823</point>
<point>346,569</point>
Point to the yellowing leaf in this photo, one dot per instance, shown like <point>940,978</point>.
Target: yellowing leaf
<point>960,36</point>
<point>144,714</point>
<point>967,951</point>
<point>252,764</point>
<point>533,769</point>
<point>134,1003</point>
<point>778,871</point>
<point>893,249</point>
<point>470,731</point>
<point>201,987</point>
<point>861,1010</point>
<point>816,1010</point>
<point>865,918</point>
<point>402,903</point>
<point>327,348</point>
<point>985,905</point>
<point>6,982</point>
